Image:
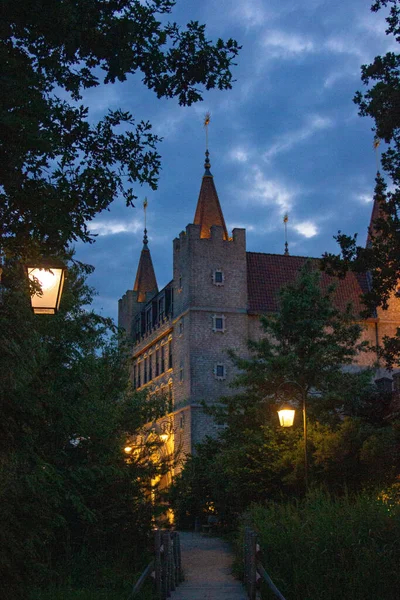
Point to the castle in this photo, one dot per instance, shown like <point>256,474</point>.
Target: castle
<point>218,291</point>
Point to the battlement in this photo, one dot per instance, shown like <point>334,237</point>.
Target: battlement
<point>193,234</point>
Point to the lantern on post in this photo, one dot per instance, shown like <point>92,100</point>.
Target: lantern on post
<point>286,416</point>
<point>50,275</point>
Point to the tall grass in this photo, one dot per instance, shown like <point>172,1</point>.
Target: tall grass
<point>329,549</point>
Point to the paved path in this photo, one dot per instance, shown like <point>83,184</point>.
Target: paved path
<point>207,564</point>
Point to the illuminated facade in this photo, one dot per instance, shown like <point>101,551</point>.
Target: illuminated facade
<point>180,334</point>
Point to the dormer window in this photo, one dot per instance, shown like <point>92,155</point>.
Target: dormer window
<point>218,277</point>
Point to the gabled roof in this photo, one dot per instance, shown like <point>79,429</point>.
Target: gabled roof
<point>145,281</point>
<point>267,273</point>
<point>208,210</point>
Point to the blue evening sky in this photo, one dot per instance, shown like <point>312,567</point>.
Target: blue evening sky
<point>287,137</point>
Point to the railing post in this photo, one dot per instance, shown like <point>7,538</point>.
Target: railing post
<point>172,562</point>
<point>157,563</point>
<point>179,557</point>
<point>252,564</point>
<point>245,559</point>
<point>166,566</point>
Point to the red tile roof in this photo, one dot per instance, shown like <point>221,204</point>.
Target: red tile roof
<point>267,273</point>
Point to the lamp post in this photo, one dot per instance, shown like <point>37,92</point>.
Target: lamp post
<point>286,418</point>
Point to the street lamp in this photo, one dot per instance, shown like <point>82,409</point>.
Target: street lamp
<point>50,274</point>
<point>286,418</point>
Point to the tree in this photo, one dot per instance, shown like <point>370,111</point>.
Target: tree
<point>382,103</point>
<point>350,444</point>
<point>58,169</point>
<point>66,412</point>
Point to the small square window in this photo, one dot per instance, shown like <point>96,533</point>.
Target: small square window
<point>218,323</point>
<point>218,277</point>
<point>219,371</point>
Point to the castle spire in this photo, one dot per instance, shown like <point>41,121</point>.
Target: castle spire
<point>378,211</point>
<point>208,210</point>
<point>145,282</point>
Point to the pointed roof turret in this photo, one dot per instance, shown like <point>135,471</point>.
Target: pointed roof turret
<point>378,211</point>
<point>145,282</point>
<point>208,210</point>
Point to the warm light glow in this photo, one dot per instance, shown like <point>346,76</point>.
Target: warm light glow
<point>128,449</point>
<point>286,417</point>
<point>164,436</point>
<point>51,281</point>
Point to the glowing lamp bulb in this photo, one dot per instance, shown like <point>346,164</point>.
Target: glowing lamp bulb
<point>286,417</point>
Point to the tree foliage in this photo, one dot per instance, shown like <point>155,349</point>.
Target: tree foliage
<point>58,167</point>
<point>381,102</point>
<point>67,409</point>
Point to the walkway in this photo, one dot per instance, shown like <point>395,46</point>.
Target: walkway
<point>207,564</point>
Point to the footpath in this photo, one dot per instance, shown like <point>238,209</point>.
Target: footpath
<point>207,566</point>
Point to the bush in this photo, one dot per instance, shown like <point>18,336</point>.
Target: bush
<point>331,548</point>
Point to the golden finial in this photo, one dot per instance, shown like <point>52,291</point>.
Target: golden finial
<point>207,119</point>
<point>285,221</point>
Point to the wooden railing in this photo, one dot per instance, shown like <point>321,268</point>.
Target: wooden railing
<point>254,571</point>
<point>166,567</point>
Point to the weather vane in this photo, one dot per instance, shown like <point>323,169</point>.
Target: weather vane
<point>285,221</point>
<point>207,119</point>
<point>145,225</point>
<point>377,142</point>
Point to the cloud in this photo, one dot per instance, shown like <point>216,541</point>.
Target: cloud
<point>286,45</point>
<point>237,225</point>
<point>113,227</point>
<point>251,13</point>
<point>344,45</point>
<point>239,155</point>
<point>292,138</point>
<point>306,228</point>
<point>364,198</point>
<point>262,190</point>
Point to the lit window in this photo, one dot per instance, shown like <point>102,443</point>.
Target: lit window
<point>161,309</point>
<point>157,362</point>
<point>218,277</point>
<point>135,376</point>
<point>170,354</point>
<point>218,323</point>
<point>162,369</point>
<point>219,371</point>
